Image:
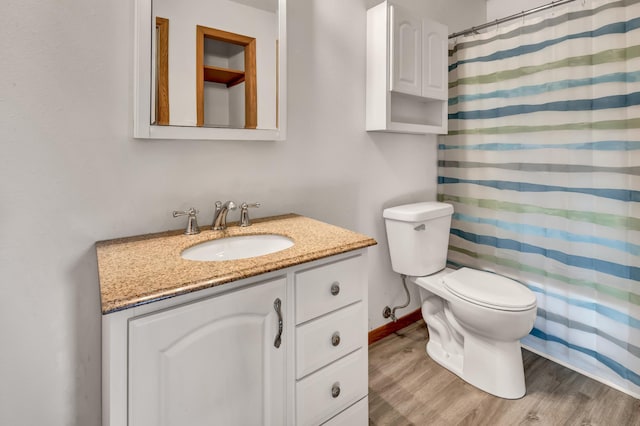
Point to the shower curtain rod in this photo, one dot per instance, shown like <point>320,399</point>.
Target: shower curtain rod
<point>511,17</point>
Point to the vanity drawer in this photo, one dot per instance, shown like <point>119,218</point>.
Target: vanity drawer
<point>328,338</point>
<point>356,415</point>
<point>328,287</point>
<point>315,394</point>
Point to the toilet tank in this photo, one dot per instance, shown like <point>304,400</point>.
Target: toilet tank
<point>418,237</point>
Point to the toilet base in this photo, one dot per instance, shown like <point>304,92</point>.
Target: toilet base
<point>494,367</point>
<point>451,362</point>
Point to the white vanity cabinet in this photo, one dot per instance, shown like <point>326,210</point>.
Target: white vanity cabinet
<point>210,357</point>
<point>407,86</point>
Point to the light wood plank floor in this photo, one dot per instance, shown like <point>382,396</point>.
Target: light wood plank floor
<point>407,388</point>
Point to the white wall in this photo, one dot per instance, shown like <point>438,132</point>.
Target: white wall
<point>497,9</point>
<point>70,175</point>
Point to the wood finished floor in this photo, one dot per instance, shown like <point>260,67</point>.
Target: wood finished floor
<point>407,388</point>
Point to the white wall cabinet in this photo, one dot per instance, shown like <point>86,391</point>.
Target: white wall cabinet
<point>210,357</point>
<point>407,87</point>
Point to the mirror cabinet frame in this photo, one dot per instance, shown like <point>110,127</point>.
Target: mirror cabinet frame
<point>142,84</point>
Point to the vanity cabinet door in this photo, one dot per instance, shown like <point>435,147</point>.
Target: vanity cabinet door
<point>213,361</point>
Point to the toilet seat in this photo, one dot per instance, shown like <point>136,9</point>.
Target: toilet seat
<point>489,290</point>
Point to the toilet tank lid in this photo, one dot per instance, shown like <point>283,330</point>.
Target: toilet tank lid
<point>418,212</point>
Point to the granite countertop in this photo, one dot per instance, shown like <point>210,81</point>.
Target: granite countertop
<point>143,269</point>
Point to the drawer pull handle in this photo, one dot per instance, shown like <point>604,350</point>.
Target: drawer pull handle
<point>335,339</point>
<point>277,305</point>
<point>335,288</point>
<point>335,389</point>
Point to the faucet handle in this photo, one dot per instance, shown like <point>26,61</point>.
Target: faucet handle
<point>192,222</point>
<point>244,213</point>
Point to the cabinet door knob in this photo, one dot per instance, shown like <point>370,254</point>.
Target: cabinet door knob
<point>335,389</point>
<point>335,339</point>
<point>335,288</point>
<point>277,305</point>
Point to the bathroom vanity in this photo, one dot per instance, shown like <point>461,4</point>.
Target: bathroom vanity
<point>278,339</point>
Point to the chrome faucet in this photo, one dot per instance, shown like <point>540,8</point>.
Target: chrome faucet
<point>220,215</point>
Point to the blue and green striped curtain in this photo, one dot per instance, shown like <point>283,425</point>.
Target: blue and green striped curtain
<point>542,166</point>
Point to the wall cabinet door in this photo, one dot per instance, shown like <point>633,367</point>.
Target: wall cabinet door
<point>435,47</point>
<point>418,55</point>
<point>406,51</point>
<point>213,361</point>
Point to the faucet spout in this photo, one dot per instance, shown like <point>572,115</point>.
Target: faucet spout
<point>220,215</point>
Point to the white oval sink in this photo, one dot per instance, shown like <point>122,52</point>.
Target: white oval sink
<point>240,247</point>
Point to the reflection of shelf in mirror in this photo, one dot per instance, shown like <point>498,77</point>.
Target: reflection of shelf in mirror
<point>223,75</point>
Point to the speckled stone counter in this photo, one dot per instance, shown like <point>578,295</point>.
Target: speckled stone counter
<point>142,269</point>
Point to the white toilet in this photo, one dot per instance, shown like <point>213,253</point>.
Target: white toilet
<point>475,318</point>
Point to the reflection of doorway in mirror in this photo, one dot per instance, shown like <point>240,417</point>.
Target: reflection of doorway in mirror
<point>226,64</point>
<point>162,72</point>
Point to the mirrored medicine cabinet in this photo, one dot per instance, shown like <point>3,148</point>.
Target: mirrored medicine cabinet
<point>210,69</point>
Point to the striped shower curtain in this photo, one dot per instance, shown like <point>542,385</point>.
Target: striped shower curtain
<point>542,166</point>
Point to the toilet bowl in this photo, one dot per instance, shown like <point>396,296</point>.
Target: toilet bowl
<point>477,341</point>
<point>475,318</point>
